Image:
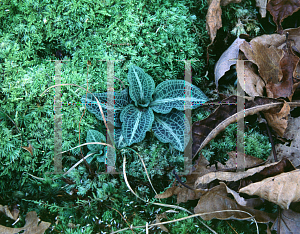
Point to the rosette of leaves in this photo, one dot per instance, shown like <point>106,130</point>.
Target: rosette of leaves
<point>97,149</point>
<point>142,107</point>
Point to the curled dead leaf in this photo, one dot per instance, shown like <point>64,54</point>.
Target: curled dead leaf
<point>184,194</point>
<point>292,151</point>
<point>213,16</point>
<point>227,59</point>
<point>251,202</point>
<point>266,58</point>
<point>254,174</point>
<point>280,9</point>
<point>207,129</point>
<point>217,200</point>
<point>289,222</point>
<point>29,149</point>
<point>278,121</point>
<point>262,7</point>
<point>249,161</point>
<point>32,226</point>
<point>12,214</point>
<point>168,193</point>
<point>158,220</point>
<point>213,19</point>
<point>281,189</point>
<point>251,83</point>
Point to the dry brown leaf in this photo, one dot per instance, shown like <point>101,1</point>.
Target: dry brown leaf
<point>203,181</point>
<point>286,86</point>
<point>213,16</point>
<point>213,19</point>
<point>168,193</point>
<point>290,67</point>
<point>266,58</point>
<point>216,200</point>
<point>226,2</point>
<point>262,4</point>
<point>253,175</point>
<point>251,202</point>
<point>227,59</point>
<point>289,222</point>
<point>184,194</point>
<point>278,121</point>
<point>280,9</point>
<point>13,214</point>
<point>29,149</point>
<point>292,152</point>
<point>275,40</point>
<point>252,84</point>
<point>250,161</point>
<point>32,226</point>
<point>294,34</point>
<point>158,220</point>
<point>207,129</point>
<point>281,189</point>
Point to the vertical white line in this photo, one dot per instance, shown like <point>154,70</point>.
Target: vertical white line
<point>57,120</point>
<point>188,117</point>
<point>240,147</point>
<point>110,116</point>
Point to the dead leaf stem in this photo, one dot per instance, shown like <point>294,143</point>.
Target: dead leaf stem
<point>272,142</point>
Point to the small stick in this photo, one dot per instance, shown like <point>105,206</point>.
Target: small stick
<point>272,142</point>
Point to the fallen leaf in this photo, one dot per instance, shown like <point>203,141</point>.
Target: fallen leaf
<point>285,87</point>
<point>250,161</point>
<point>262,4</point>
<point>292,152</point>
<point>251,83</point>
<point>207,129</point>
<point>32,226</point>
<point>168,193</point>
<point>13,214</point>
<point>294,35</point>
<point>253,174</point>
<point>29,149</point>
<point>278,121</point>
<point>184,194</point>
<point>213,19</point>
<point>281,189</point>
<point>227,59</point>
<point>213,16</point>
<point>251,202</point>
<point>281,9</point>
<point>226,2</point>
<point>266,58</point>
<point>289,222</point>
<point>158,220</point>
<point>217,200</point>
<point>275,40</point>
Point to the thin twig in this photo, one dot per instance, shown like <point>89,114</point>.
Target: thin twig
<point>145,169</point>
<point>100,108</point>
<point>272,142</point>
<point>161,204</point>
<point>80,161</point>
<point>121,82</point>
<point>83,158</point>
<point>231,227</point>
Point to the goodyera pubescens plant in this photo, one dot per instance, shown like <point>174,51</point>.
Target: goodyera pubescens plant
<point>142,107</point>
